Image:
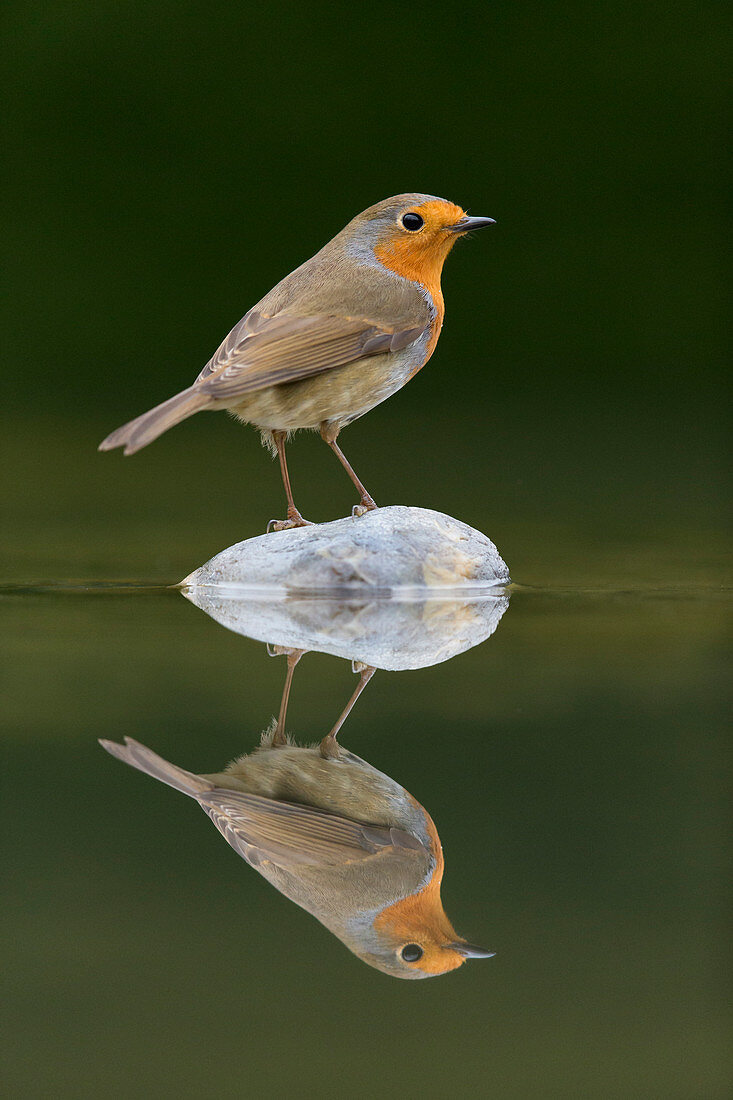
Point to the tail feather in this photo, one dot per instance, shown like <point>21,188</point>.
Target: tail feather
<point>144,429</point>
<point>145,760</point>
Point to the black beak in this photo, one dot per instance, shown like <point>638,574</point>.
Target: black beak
<point>469,951</point>
<point>465,225</point>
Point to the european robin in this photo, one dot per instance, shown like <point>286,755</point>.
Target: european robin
<point>336,337</point>
<point>339,838</point>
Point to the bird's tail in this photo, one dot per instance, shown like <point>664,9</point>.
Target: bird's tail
<point>144,429</point>
<point>145,760</point>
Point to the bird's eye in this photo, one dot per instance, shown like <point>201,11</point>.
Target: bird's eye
<point>413,222</point>
<point>411,952</point>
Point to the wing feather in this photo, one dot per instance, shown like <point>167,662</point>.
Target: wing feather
<point>290,834</point>
<point>269,351</point>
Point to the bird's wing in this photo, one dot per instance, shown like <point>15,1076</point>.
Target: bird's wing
<point>291,835</point>
<point>266,351</point>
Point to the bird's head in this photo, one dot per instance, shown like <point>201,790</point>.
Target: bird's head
<point>411,235</point>
<point>413,938</point>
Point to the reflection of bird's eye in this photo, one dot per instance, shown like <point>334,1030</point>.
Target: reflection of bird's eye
<point>411,952</point>
<point>413,222</point>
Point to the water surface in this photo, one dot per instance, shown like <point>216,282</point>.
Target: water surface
<point>573,763</point>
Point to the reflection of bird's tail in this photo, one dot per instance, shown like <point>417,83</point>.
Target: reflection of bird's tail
<point>145,760</point>
<point>144,429</point>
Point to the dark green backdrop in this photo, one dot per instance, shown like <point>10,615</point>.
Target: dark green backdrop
<point>168,162</point>
<point>165,163</point>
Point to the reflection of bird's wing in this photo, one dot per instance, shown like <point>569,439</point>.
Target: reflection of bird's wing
<point>267,351</point>
<point>291,835</point>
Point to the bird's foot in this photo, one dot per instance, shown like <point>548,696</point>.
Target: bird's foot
<point>294,520</point>
<point>330,748</point>
<point>366,504</point>
<point>285,651</point>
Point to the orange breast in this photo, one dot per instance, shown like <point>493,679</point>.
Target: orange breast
<point>420,258</point>
<point>422,914</point>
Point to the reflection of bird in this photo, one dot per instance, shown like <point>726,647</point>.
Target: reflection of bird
<point>345,842</point>
<point>336,337</point>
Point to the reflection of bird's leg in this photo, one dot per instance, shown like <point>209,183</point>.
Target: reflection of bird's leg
<point>293,656</point>
<point>329,745</point>
<point>294,517</point>
<point>367,503</point>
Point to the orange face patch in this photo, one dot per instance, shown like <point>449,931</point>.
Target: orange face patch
<point>419,256</point>
<point>420,918</point>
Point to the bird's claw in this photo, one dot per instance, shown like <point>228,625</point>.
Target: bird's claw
<point>363,507</point>
<point>287,524</point>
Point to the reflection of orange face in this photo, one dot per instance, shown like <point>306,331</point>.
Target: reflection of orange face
<point>419,255</point>
<point>420,918</point>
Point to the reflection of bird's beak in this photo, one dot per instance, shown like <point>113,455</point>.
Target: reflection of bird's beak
<point>465,225</point>
<point>469,951</point>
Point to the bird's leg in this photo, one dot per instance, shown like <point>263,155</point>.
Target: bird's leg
<point>294,517</point>
<point>293,656</point>
<point>329,745</point>
<point>367,502</point>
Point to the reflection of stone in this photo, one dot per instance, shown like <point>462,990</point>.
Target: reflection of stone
<point>385,633</point>
<point>390,549</point>
<point>395,589</point>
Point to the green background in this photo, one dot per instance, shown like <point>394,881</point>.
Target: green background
<point>171,162</point>
<point>166,164</point>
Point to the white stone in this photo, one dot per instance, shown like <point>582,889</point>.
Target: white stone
<point>398,588</point>
<point>394,550</point>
